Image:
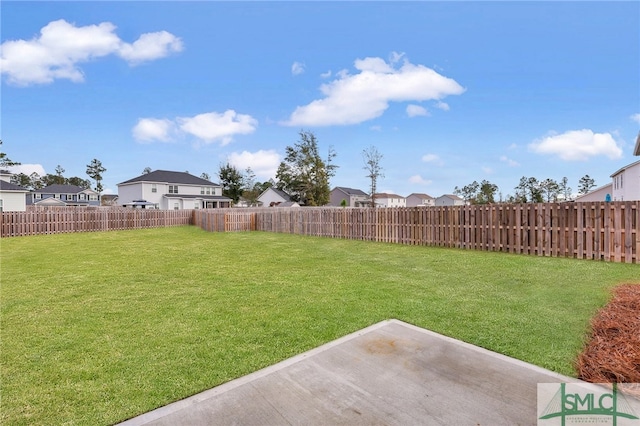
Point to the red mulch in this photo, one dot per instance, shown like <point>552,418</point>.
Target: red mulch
<point>612,353</point>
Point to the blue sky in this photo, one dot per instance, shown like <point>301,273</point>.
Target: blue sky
<point>448,92</point>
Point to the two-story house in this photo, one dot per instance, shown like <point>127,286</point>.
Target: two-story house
<point>63,196</point>
<point>12,196</point>
<point>626,183</point>
<point>420,200</point>
<point>449,200</point>
<point>168,190</point>
<point>385,199</point>
<point>352,197</point>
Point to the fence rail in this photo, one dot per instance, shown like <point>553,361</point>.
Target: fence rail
<point>588,230</point>
<point>57,220</point>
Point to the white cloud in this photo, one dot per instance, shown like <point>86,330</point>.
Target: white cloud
<point>487,170</point>
<point>442,105</point>
<point>432,158</point>
<point>326,74</point>
<point>416,111</point>
<point>60,47</point>
<point>376,127</point>
<point>353,99</point>
<point>27,169</point>
<point>263,163</point>
<point>578,145</point>
<point>636,117</point>
<point>207,127</point>
<point>509,161</point>
<point>216,127</point>
<point>297,68</point>
<point>153,129</point>
<point>417,179</point>
<point>150,46</point>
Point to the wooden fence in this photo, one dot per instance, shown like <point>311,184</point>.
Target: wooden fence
<point>226,220</point>
<point>56,220</point>
<point>589,230</point>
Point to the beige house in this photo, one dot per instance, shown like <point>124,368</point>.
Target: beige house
<point>352,197</point>
<point>420,200</point>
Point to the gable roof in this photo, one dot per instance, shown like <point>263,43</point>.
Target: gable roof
<point>62,189</point>
<point>350,191</point>
<point>6,186</point>
<point>420,195</point>
<point>452,196</point>
<point>167,176</point>
<point>387,195</point>
<point>280,193</point>
<point>628,166</point>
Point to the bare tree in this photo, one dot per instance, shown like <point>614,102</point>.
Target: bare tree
<point>372,165</point>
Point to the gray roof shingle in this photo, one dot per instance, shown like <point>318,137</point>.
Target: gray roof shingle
<point>61,189</point>
<point>166,176</point>
<point>6,186</point>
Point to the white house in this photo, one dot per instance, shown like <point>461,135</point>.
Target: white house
<point>12,197</point>
<point>598,194</point>
<point>449,200</point>
<point>352,197</point>
<point>384,199</point>
<point>420,200</point>
<point>272,197</point>
<point>167,190</point>
<point>626,183</point>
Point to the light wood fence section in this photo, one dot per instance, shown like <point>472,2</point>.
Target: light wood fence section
<point>590,230</point>
<point>56,220</point>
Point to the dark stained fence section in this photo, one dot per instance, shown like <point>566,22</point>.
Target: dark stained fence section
<point>590,230</point>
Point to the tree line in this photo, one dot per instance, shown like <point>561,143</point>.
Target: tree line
<point>305,175</point>
<point>528,190</point>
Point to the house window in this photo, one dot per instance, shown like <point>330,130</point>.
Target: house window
<point>208,190</point>
<point>202,190</point>
<point>83,196</point>
<point>93,197</point>
<point>154,188</point>
<point>176,206</point>
<point>37,196</point>
<point>1,205</point>
<point>173,189</point>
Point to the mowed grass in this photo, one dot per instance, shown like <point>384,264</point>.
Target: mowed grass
<point>99,327</point>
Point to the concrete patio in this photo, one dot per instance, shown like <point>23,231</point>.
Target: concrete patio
<point>391,373</point>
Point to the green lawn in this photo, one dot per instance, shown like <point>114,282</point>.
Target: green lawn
<point>100,327</point>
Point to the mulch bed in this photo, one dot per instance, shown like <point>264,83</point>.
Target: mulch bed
<point>612,353</point>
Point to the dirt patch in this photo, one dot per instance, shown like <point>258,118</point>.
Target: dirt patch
<point>612,353</point>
